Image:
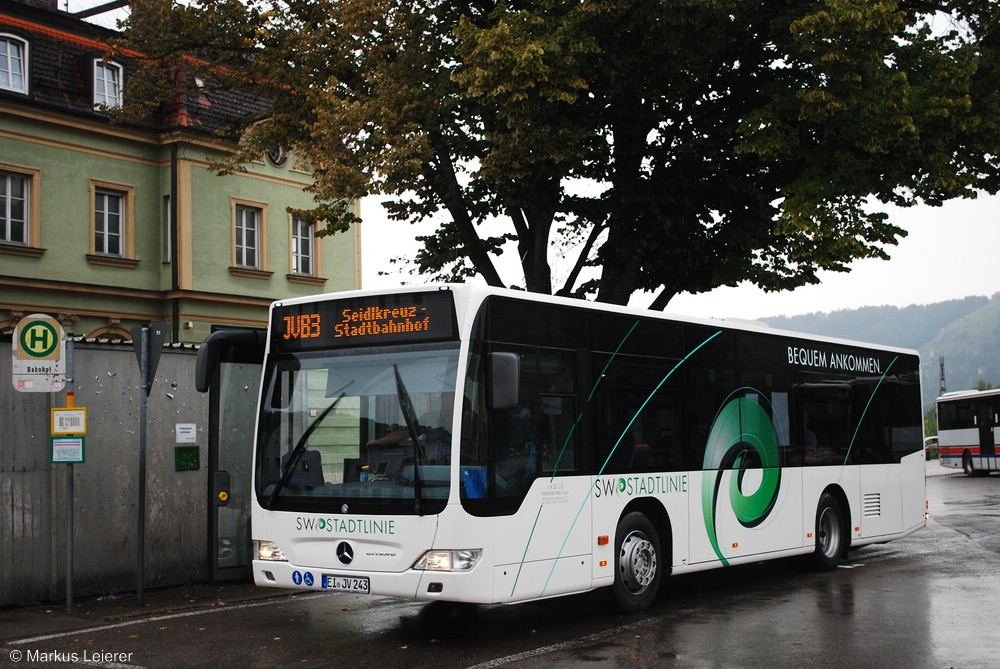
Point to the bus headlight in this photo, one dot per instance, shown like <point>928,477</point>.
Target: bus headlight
<point>449,560</point>
<point>268,550</point>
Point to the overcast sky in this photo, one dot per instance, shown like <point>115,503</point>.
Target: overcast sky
<point>951,252</point>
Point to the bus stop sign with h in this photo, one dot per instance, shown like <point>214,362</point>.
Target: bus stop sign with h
<point>39,355</point>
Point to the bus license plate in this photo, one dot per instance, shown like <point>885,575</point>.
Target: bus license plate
<point>345,583</point>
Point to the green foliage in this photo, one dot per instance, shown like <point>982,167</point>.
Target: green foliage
<point>930,421</point>
<point>663,145</point>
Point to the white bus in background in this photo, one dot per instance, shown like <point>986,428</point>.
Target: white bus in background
<point>472,444</point>
<point>968,430</point>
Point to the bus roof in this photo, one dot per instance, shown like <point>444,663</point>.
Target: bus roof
<point>477,293</point>
<point>962,394</point>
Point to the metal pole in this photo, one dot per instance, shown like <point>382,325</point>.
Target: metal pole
<point>941,389</point>
<point>144,401</point>
<point>70,402</point>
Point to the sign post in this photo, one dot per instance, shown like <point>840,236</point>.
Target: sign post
<point>147,341</point>
<point>69,425</point>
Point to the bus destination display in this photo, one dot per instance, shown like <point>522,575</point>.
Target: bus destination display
<point>380,319</point>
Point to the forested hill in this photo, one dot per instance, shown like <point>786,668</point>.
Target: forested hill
<point>966,332</point>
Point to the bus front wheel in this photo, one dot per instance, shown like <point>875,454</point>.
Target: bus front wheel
<point>831,538</point>
<point>637,563</point>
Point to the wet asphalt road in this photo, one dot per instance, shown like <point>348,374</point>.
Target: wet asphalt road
<point>930,600</point>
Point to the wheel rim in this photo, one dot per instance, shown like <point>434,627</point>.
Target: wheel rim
<point>637,562</point>
<point>829,533</point>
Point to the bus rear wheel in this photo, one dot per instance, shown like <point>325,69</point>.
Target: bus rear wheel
<point>638,570</point>
<point>967,464</point>
<point>831,538</point>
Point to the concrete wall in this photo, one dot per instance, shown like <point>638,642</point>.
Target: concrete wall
<point>33,518</point>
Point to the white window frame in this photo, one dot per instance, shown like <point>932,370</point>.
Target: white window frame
<point>7,221</point>
<point>104,218</point>
<point>32,204</point>
<point>99,192</point>
<point>241,248</point>
<point>298,240</point>
<point>108,89</point>
<point>9,71</point>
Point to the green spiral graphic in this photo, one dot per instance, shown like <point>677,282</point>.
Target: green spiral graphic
<point>742,436</point>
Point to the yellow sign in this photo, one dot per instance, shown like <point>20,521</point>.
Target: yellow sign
<point>69,421</point>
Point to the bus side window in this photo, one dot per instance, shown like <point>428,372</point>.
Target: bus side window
<point>515,432</point>
<point>516,451</point>
<point>557,410</point>
<point>824,428</point>
<point>557,438</point>
<point>638,413</point>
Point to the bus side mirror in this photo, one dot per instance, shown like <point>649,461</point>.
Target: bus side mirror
<point>208,359</point>
<point>248,344</point>
<point>505,374</point>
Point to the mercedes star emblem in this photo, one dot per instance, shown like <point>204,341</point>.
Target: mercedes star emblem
<point>345,553</point>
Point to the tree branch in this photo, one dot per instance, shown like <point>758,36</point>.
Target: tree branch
<point>451,195</point>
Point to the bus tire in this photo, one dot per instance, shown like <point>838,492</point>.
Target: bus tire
<point>831,537</point>
<point>638,570</point>
<point>967,465</point>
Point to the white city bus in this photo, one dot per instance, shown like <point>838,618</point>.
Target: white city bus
<point>968,427</point>
<point>471,444</point>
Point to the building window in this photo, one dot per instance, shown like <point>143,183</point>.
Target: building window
<point>20,222</point>
<point>15,200</point>
<point>109,223</point>
<point>248,237</point>
<point>249,226</point>
<point>112,231</point>
<point>303,247</point>
<point>276,155</point>
<point>107,84</point>
<point>13,64</point>
<point>167,241</point>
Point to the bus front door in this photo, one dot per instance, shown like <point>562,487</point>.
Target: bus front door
<point>230,372</point>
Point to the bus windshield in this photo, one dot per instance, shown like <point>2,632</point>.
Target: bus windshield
<point>364,430</point>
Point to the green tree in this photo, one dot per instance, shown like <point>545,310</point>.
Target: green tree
<point>930,422</point>
<point>662,145</point>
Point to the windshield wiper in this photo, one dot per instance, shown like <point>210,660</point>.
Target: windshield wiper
<point>406,406</point>
<point>296,454</point>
